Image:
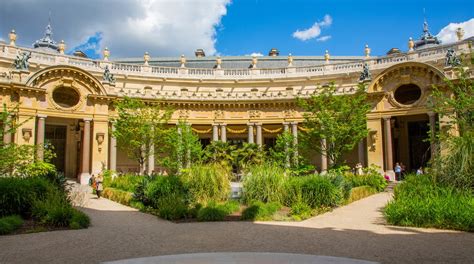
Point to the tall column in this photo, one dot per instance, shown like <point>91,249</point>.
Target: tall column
<point>113,151</point>
<point>432,118</point>
<point>294,132</point>
<point>324,158</point>
<point>40,136</point>
<point>151,159</point>
<point>250,132</point>
<point>215,132</point>
<point>86,150</point>
<point>223,133</point>
<point>7,136</point>
<point>388,147</point>
<point>361,152</point>
<point>286,129</point>
<point>259,134</point>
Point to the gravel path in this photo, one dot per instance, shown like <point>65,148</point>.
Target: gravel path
<point>355,231</point>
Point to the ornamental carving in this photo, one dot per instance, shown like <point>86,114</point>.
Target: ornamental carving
<point>183,114</point>
<point>255,113</point>
<point>288,113</point>
<point>218,114</point>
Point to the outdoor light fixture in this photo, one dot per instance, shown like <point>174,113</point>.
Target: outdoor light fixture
<point>26,134</point>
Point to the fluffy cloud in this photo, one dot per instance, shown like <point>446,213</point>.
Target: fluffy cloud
<point>126,27</point>
<point>323,38</point>
<point>448,33</point>
<point>313,31</point>
<point>256,54</point>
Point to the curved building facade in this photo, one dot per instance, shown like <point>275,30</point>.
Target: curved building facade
<point>68,100</point>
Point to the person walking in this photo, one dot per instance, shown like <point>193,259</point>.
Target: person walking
<point>99,185</point>
<point>398,172</point>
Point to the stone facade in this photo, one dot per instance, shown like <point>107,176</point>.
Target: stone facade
<point>68,99</point>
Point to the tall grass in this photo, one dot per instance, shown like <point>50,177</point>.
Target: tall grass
<point>265,183</point>
<point>205,183</point>
<point>314,190</point>
<point>419,201</point>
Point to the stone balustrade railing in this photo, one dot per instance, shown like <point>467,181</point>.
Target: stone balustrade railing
<point>375,63</point>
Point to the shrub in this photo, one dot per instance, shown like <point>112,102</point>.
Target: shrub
<point>54,210</point>
<point>260,211</point>
<point>205,183</point>
<point>314,190</point>
<point>117,195</point>
<point>374,180</point>
<point>360,192</point>
<point>300,211</point>
<point>18,194</point>
<point>265,183</point>
<point>164,187</point>
<point>212,213</point>
<point>172,208</point>
<point>231,206</point>
<point>79,220</point>
<point>9,224</point>
<point>420,202</point>
<point>126,182</point>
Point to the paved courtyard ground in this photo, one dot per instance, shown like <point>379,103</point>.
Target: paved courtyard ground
<point>355,231</point>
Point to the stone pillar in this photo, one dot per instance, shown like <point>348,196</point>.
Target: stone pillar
<point>361,152</point>
<point>151,158</point>
<point>86,151</point>
<point>113,151</point>
<point>259,134</point>
<point>223,133</point>
<point>432,118</point>
<point>324,158</point>
<point>215,132</point>
<point>7,136</point>
<point>286,129</point>
<point>388,148</point>
<point>294,132</point>
<point>250,132</point>
<point>40,136</point>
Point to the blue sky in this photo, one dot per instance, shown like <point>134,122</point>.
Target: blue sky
<point>257,25</point>
<point>233,27</point>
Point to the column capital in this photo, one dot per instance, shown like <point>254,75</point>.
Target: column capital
<point>258,124</point>
<point>250,124</point>
<point>223,124</point>
<point>294,123</point>
<point>41,115</point>
<point>386,118</point>
<point>87,119</point>
<point>431,113</point>
<point>286,123</point>
<point>215,124</point>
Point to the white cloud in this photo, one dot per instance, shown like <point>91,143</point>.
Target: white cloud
<point>256,54</point>
<point>313,31</point>
<point>448,33</point>
<point>323,38</point>
<point>128,27</point>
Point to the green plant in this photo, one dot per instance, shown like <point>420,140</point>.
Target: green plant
<point>265,183</point>
<point>212,213</point>
<point>219,152</point>
<point>54,210</point>
<point>172,208</point>
<point>248,155</point>
<point>9,224</point>
<point>300,211</point>
<point>374,180</point>
<point>360,192</point>
<point>420,201</point>
<point>118,196</point>
<point>260,211</point>
<point>231,206</point>
<point>18,194</point>
<point>126,182</point>
<point>339,119</point>
<point>79,220</point>
<point>163,187</point>
<point>206,182</point>
<point>314,190</point>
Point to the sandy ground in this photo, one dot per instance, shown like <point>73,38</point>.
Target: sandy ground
<point>355,231</point>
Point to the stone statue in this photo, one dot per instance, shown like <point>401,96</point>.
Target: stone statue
<point>365,74</point>
<point>21,61</point>
<point>451,59</point>
<point>108,76</point>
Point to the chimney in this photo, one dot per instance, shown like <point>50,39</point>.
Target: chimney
<point>200,53</point>
<point>273,52</point>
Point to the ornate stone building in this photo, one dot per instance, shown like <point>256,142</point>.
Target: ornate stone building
<point>67,99</point>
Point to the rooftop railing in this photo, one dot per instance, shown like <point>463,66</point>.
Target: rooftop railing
<point>46,59</point>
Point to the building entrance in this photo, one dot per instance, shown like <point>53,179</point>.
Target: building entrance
<point>55,135</point>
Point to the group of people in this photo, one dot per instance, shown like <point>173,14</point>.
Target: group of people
<point>97,183</point>
<point>400,171</point>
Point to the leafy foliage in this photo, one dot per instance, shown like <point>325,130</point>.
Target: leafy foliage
<point>219,152</point>
<point>119,196</point>
<point>337,118</point>
<point>18,194</point>
<point>206,183</point>
<point>315,191</point>
<point>9,224</point>
<point>248,155</point>
<point>360,192</point>
<point>265,183</point>
<point>420,201</point>
<point>139,128</point>
<point>260,211</point>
